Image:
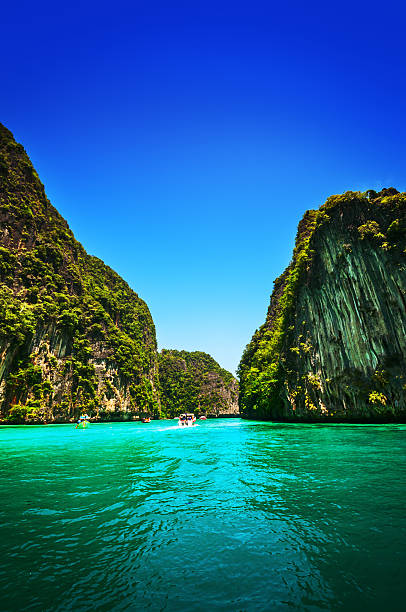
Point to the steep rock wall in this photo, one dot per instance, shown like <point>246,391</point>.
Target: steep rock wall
<point>333,346</point>
<point>73,335</point>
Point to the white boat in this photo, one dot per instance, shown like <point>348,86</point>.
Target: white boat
<point>83,421</point>
<point>187,420</point>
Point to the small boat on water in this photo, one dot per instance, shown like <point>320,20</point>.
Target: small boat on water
<point>83,421</point>
<point>203,418</point>
<point>187,420</point>
<point>146,420</point>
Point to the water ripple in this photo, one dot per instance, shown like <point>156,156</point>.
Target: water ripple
<point>228,516</point>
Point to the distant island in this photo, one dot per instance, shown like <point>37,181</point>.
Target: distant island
<point>333,346</point>
<point>74,337</point>
<point>191,379</point>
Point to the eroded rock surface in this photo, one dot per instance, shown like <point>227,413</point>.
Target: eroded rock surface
<point>333,346</point>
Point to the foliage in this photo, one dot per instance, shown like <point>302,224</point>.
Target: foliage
<point>377,398</point>
<point>17,414</point>
<point>370,229</point>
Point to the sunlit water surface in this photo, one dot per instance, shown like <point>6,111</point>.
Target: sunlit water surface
<point>230,515</point>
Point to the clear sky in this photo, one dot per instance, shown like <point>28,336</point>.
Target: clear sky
<point>183,141</point>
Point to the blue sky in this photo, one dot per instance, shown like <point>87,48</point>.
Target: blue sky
<point>183,141</point>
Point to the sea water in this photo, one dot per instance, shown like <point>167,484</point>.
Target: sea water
<point>228,515</point>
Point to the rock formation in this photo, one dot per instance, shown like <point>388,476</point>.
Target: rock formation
<point>333,346</point>
<point>194,382</point>
<point>73,335</point>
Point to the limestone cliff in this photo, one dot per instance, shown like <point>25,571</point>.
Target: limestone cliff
<point>333,346</point>
<point>194,382</point>
<point>73,335</point>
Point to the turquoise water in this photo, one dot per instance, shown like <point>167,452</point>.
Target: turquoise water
<point>230,515</point>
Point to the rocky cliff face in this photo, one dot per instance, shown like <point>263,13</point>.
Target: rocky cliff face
<point>194,382</point>
<point>73,335</point>
<point>333,346</point>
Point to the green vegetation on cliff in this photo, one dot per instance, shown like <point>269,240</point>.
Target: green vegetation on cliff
<point>194,382</point>
<point>73,335</point>
<point>333,345</point>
